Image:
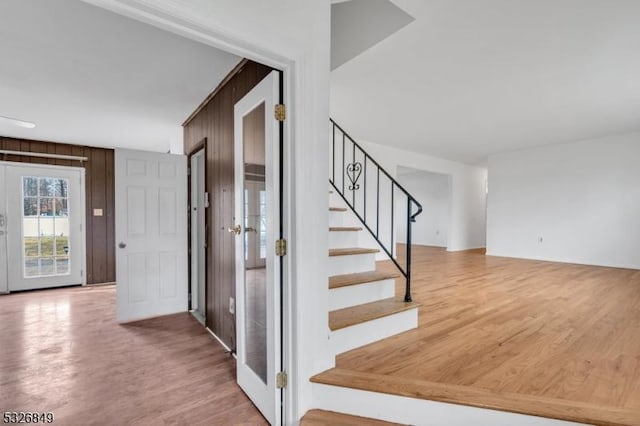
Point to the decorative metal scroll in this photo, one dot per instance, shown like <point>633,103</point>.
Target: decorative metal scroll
<point>354,170</point>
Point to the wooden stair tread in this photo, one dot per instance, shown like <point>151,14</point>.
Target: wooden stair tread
<point>353,315</point>
<point>561,409</point>
<point>338,281</point>
<point>351,250</point>
<point>344,228</point>
<point>331,418</point>
<point>337,209</point>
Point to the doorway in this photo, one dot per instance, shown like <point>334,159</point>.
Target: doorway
<point>42,219</point>
<point>198,235</point>
<point>432,227</point>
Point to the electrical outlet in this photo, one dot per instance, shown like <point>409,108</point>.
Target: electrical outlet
<point>540,240</point>
<point>232,305</point>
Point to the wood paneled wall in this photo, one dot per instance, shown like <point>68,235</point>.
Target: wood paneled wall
<point>214,121</point>
<point>99,183</point>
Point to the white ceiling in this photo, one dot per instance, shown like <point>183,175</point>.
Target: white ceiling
<point>85,75</point>
<point>469,78</point>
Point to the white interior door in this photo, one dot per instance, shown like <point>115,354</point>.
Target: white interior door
<point>44,226</point>
<point>198,235</point>
<point>4,287</point>
<point>151,234</point>
<point>256,140</point>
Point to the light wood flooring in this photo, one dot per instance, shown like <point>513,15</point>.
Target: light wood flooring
<point>330,418</point>
<point>62,351</point>
<point>551,339</point>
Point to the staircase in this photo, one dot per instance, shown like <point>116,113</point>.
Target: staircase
<point>363,306</point>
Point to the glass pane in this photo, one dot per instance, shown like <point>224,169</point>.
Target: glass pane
<point>60,205</point>
<point>60,188</point>
<point>46,206</point>
<point>45,226</point>
<point>62,245</point>
<point>31,267</point>
<point>246,225</point>
<point>47,266</point>
<point>47,187</point>
<point>30,186</point>
<point>62,265</point>
<point>255,269</point>
<point>30,206</point>
<point>31,246</point>
<point>263,224</point>
<point>46,246</point>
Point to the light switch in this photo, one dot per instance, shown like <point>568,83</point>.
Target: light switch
<point>97,212</point>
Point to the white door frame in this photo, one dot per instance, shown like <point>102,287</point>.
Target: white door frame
<point>224,41</point>
<point>4,246</point>
<point>83,211</point>
<point>197,228</point>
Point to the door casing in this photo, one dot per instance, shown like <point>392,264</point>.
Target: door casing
<point>200,147</point>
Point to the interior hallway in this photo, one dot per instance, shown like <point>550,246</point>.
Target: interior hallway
<point>61,351</point>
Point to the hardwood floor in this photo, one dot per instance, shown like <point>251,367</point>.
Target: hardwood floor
<point>62,351</point>
<point>538,331</point>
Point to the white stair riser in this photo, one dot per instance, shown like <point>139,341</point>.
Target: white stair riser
<point>343,239</point>
<point>359,294</point>
<point>352,337</point>
<point>414,411</point>
<point>337,218</point>
<point>340,265</point>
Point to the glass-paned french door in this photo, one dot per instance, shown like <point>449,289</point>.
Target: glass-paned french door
<point>41,226</point>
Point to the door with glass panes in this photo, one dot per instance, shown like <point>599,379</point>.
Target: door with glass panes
<point>43,225</point>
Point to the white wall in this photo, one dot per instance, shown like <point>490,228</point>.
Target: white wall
<point>296,35</point>
<point>582,199</point>
<point>468,194</point>
<point>432,190</point>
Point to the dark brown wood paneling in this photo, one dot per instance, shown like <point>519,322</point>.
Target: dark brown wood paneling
<point>214,121</point>
<point>99,185</point>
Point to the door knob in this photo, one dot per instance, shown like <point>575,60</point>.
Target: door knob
<point>235,230</point>
<point>122,245</point>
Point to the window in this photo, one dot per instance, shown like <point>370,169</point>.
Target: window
<point>45,226</point>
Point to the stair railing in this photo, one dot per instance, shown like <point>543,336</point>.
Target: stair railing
<point>376,198</point>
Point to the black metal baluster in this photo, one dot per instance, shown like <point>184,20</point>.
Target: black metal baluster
<point>353,185</point>
<point>344,170</point>
<point>364,188</point>
<point>378,207</point>
<point>407,292</point>
<point>393,209</point>
<point>333,163</point>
